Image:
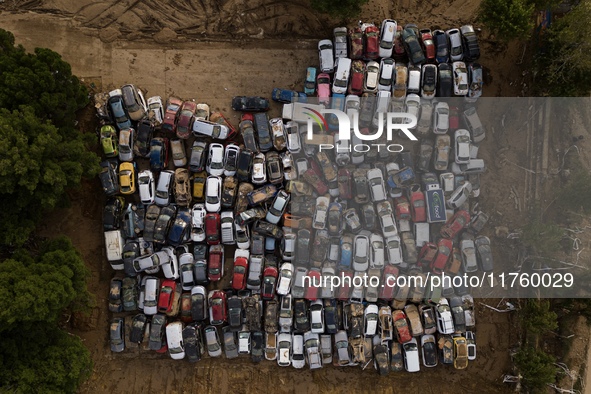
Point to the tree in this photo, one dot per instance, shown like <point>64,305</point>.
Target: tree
<point>537,317</point>
<point>576,194</point>
<point>42,359</point>
<point>508,19</point>
<point>536,367</point>
<point>41,80</point>
<point>543,238</point>
<point>37,165</point>
<point>339,8</point>
<point>38,288</point>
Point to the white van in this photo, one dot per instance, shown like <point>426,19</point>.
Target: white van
<point>421,234</point>
<point>414,80</point>
<point>341,76</point>
<point>210,129</point>
<point>114,245</point>
<point>152,287</point>
<point>411,356</point>
<point>174,339</point>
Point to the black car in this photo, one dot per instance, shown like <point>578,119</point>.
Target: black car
<point>158,154</point>
<point>200,272</point>
<point>470,44</point>
<point>163,223</point>
<point>257,343</point>
<point>131,250</point>
<point>109,179</point>
<point>129,294</point>
<point>192,343</point>
<point>229,191</point>
<point>261,124</point>
<point>381,359</point>
<point>157,326</point>
<point>250,103</point>
<point>180,228</point>
<point>303,247</point>
<point>331,318</point>
<point>117,335</point>
<point>199,307</point>
<point>457,309</point>
<point>301,322</point>
<point>235,313</point>
<point>412,46</point>
<point>152,214</point>
<point>445,81</point>
<point>115,304</point>
<point>145,130</point>
<point>244,166</point>
<point>267,229</point>
<point>441,46</point>
<point>138,325</point>
<point>369,216</point>
<point>429,353</point>
<point>247,131</point>
<point>112,213</point>
<point>250,215</point>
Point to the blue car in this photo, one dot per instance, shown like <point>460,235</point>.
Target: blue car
<point>337,102</point>
<point>346,252</point>
<point>118,111</point>
<point>310,84</point>
<point>287,96</point>
<point>158,154</point>
<point>180,228</point>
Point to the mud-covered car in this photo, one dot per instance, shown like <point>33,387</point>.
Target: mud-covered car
<point>274,168</point>
<point>229,191</point>
<point>182,187</point>
<point>250,103</point>
<point>267,229</point>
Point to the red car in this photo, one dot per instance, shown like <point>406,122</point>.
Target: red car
<point>269,281</point>
<point>166,296</point>
<point>459,221</point>
<point>344,180</point>
<point>417,206</point>
<point>356,44</point>
<point>371,40</point>
<point>428,45</point>
<point>389,283</point>
<point>240,273</point>
<point>185,119</point>
<point>444,249</point>
<point>427,254</point>
<point>402,210</point>
<point>218,308</point>
<point>212,228</point>
<point>357,77</point>
<point>314,177</point>
<point>215,267</point>
<point>399,54</point>
<point>344,292</point>
<point>323,88</point>
<point>401,326</point>
<point>311,292</point>
<point>454,118</point>
<point>173,105</point>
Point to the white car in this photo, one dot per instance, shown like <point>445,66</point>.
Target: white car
<point>288,245</point>
<point>231,159</point>
<point>317,317</point>
<point>445,324</point>
<point>187,277</point>
<point>372,74</point>
<point>460,74</point>
<point>394,250</point>
<point>170,268</point>
<point>326,56</point>
<point>212,341</point>
<point>468,249</point>
<point>361,253</point>
<point>293,137</point>
<point>242,236</point>
<point>284,350</point>
<point>255,268</point>
<point>387,35</point>
<point>376,184</point>
<point>460,195</point>
<point>215,160</point>
<point>202,112</point>
<point>387,219</point>
<point>163,188</point>
<point>386,74</point>
<point>174,340</point>
<point>152,287</point>
<point>455,44</point>
<point>471,341</point>
<point>259,169</point>
<point>278,207</point>
<point>321,212</point>
<point>147,186</point>
<point>284,279</point>
<point>327,273</point>
<point>371,319</point>
<point>413,106</point>
<point>441,118</point>
<point>462,146</point>
<point>156,108</point>
<point>377,256</point>
<point>298,360</point>
<point>227,228</point>
<point>213,194</point>
<point>198,213</point>
<point>411,356</point>
<point>341,343</point>
<point>312,343</point>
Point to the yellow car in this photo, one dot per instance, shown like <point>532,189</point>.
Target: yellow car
<point>460,353</point>
<point>126,178</point>
<point>199,179</point>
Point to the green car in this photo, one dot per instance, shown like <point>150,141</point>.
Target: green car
<point>109,141</point>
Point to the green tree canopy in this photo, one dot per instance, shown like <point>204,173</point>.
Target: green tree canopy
<point>536,367</point>
<point>508,19</point>
<point>41,80</point>
<point>339,8</point>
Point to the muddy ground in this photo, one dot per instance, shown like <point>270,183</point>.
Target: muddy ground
<point>211,51</point>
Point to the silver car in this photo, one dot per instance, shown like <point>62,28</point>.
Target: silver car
<point>469,255</point>
<point>361,253</point>
<point>212,339</point>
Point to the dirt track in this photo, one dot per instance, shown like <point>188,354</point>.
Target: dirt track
<point>107,43</point>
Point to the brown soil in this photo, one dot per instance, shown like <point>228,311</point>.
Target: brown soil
<point>211,51</point>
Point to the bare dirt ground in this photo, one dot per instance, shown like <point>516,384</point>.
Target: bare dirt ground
<point>211,51</point>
